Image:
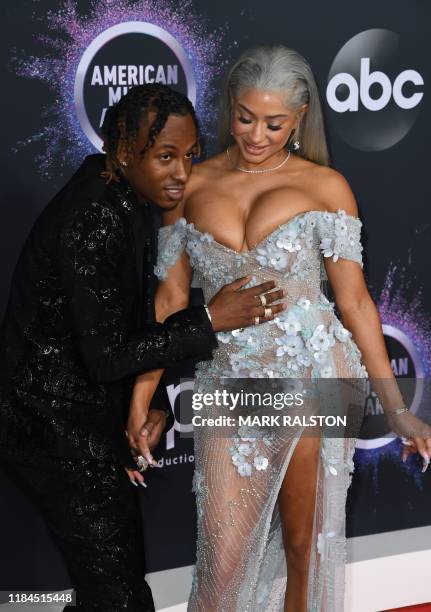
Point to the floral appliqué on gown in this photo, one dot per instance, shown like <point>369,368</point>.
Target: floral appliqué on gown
<point>241,563</point>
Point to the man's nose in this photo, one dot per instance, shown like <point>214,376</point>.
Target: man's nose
<point>181,172</point>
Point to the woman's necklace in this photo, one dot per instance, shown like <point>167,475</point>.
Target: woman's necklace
<point>257,171</point>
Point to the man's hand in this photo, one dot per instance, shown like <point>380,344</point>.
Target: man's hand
<point>234,307</point>
<point>143,434</point>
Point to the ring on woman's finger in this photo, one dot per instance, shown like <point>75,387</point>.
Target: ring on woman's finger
<point>257,320</point>
<point>262,299</point>
<point>268,312</point>
<point>142,463</point>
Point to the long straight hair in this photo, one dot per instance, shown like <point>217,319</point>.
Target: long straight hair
<point>278,68</point>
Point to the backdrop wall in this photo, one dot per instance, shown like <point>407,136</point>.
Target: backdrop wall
<point>65,62</point>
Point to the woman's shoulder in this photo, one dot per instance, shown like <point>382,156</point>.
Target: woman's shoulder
<point>205,175</point>
<point>209,168</point>
<point>331,189</point>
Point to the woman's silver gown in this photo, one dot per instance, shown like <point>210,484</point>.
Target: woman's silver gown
<point>240,556</point>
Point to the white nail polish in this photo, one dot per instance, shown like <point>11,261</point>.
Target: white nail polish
<point>134,483</point>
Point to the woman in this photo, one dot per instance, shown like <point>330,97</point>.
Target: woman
<point>269,206</point>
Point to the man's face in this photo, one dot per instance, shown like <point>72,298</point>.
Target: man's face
<point>160,174</point>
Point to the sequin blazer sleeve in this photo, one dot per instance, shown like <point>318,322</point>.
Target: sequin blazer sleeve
<point>93,265</point>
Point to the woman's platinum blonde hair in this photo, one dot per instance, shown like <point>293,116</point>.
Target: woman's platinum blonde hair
<point>278,68</point>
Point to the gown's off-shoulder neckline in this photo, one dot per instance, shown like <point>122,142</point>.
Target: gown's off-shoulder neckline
<point>192,227</point>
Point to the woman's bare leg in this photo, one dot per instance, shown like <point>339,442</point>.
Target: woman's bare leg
<point>296,505</point>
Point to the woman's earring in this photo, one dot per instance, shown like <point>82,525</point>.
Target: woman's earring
<point>294,145</point>
<point>124,163</point>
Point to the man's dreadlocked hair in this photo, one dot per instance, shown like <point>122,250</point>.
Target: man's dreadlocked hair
<point>122,121</point>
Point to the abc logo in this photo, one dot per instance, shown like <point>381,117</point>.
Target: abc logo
<point>372,109</point>
<point>367,79</point>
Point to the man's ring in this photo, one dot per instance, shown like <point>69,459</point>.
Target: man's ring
<point>257,320</point>
<point>142,463</point>
<point>262,299</point>
<point>268,312</point>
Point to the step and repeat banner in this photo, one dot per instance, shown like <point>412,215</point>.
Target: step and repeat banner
<point>67,61</point>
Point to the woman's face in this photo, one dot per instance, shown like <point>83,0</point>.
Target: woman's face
<point>262,124</point>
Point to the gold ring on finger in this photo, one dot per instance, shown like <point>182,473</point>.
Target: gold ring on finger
<point>257,320</point>
<point>262,299</point>
<point>268,312</point>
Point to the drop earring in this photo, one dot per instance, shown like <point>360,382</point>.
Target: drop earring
<point>294,144</point>
<point>124,163</point>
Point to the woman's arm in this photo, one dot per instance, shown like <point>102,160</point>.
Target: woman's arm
<point>360,316</point>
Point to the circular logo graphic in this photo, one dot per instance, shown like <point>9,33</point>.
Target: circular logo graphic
<point>407,367</point>
<point>127,54</point>
<point>373,93</point>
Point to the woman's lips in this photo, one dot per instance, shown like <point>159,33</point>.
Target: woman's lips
<point>253,149</point>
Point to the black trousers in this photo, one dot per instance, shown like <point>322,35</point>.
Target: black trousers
<point>93,513</point>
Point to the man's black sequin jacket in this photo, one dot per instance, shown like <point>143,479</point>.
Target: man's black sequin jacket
<point>80,323</point>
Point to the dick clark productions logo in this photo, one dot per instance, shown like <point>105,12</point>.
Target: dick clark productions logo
<point>373,94</point>
<point>127,54</point>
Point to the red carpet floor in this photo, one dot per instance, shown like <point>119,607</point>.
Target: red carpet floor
<point>420,608</point>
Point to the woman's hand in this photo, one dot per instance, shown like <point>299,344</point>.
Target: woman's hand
<point>415,433</point>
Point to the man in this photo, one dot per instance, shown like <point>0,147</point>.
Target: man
<point>80,326</point>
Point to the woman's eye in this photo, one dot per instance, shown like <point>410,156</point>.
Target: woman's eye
<point>274,128</point>
<point>165,157</point>
<point>189,155</point>
<point>244,120</point>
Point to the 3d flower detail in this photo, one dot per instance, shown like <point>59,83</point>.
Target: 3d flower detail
<point>260,462</point>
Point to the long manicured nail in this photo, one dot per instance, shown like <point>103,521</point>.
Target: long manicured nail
<point>143,484</point>
<point>133,482</point>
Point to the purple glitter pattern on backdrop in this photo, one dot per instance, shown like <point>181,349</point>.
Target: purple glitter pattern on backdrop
<point>71,33</point>
<point>408,315</point>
